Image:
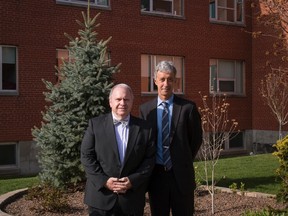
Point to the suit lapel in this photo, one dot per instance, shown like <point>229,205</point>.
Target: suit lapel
<point>133,133</point>
<point>110,135</point>
<point>175,116</point>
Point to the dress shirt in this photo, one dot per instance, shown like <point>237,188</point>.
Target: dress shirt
<point>122,135</point>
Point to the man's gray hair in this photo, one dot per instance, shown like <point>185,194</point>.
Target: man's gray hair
<point>165,66</point>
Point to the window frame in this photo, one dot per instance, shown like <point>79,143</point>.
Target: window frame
<point>9,91</point>
<point>152,62</point>
<point>238,79</point>
<point>215,6</point>
<point>84,3</point>
<point>173,12</point>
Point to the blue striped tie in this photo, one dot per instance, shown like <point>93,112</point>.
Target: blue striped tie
<point>165,137</point>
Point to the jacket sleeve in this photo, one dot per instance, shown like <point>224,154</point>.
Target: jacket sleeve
<point>196,131</point>
<point>89,160</point>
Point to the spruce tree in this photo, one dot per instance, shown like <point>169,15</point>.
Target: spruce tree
<point>82,94</point>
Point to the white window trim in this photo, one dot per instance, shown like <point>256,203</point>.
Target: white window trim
<point>8,91</point>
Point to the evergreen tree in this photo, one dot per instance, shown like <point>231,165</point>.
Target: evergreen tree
<point>81,94</point>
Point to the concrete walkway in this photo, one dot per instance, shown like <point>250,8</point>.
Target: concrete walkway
<point>10,197</point>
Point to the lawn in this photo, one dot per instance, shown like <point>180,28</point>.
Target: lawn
<point>257,172</point>
<point>10,184</point>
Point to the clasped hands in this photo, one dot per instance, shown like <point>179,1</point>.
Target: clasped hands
<point>118,185</point>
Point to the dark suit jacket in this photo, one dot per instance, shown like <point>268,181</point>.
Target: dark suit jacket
<point>185,138</point>
<point>100,158</point>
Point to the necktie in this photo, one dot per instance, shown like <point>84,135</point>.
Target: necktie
<point>123,122</point>
<point>165,137</point>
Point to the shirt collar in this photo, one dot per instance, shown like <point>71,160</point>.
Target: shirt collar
<point>127,118</point>
<point>169,101</point>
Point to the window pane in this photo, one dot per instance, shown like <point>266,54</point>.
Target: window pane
<point>212,9</point>
<point>162,6</point>
<point>236,141</point>
<point>239,11</point>
<point>145,5</point>
<point>177,7</point>
<point>9,68</point>
<point>9,55</point>
<point>178,63</point>
<point>213,77</point>
<point>226,69</point>
<point>222,14</point>
<point>171,7</point>
<point>230,16</point>
<point>7,154</point>
<point>145,73</point>
<point>226,86</point>
<point>102,2</point>
<point>61,55</point>
<point>239,75</point>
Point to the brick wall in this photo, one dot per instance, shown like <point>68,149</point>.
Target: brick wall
<point>37,29</point>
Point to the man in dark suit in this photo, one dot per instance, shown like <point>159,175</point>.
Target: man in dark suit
<point>118,154</point>
<point>173,179</point>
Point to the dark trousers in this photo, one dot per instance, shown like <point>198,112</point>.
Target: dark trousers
<point>164,195</point>
<point>115,211</point>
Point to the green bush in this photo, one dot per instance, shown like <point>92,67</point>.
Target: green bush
<point>282,171</point>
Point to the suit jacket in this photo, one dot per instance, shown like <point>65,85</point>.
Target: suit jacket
<point>100,158</point>
<point>185,138</point>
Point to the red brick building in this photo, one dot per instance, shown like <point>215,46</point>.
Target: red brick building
<point>205,39</point>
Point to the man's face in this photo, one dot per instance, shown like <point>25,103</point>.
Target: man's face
<point>121,102</point>
<point>165,83</point>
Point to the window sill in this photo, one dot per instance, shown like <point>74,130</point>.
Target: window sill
<point>9,93</point>
<point>78,4</point>
<point>162,14</point>
<point>219,22</point>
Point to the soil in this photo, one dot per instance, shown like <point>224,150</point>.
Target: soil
<point>225,204</point>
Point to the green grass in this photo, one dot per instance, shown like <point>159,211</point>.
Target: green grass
<point>10,184</point>
<point>257,172</point>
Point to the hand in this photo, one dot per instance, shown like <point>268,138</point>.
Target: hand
<point>118,185</point>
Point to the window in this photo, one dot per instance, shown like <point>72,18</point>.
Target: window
<point>101,3</point>
<point>236,140</point>
<point>61,55</point>
<point>227,76</point>
<point>148,65</point>
<point>230,11</point>
<point>8,154</point>
<point>8,69</point>
<point>170,7</point>
<point>233,142</point>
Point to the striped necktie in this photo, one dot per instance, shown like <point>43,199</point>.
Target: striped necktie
<point>165,137</point>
